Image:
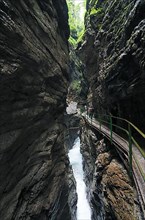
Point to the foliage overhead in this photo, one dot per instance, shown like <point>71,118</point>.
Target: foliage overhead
<point>76,19</point>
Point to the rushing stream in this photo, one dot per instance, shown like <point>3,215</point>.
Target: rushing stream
<point>83,208</point>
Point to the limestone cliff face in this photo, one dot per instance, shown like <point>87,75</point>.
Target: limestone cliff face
<point>114,53</point>
<point>33,85</point>
<point>110,191</point>
<point>78,86</point>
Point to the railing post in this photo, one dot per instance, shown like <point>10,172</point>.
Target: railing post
<point>130,150</point>
<point>111,128</point>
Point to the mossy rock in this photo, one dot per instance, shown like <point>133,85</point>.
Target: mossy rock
<point>95,11</point>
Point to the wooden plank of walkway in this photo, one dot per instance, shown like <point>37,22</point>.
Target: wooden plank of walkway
<point>138,160</point>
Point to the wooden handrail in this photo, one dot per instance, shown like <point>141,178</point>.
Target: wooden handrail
<point>123,119</point>
<point>123,129</point>
<point>136,170</point>
<point>130,137</point>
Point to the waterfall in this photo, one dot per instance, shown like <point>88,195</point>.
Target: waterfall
<point>83,207</point>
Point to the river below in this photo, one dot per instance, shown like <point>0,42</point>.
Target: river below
<point>83,207</point>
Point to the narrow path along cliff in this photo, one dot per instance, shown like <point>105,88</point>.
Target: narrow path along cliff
<point>107,82</point>
<point>63,65</point>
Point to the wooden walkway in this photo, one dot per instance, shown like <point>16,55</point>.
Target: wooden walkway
<point>138,162</point>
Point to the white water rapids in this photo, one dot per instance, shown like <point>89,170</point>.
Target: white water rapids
<point>75,157</point>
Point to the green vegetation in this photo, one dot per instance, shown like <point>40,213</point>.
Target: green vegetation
<point>76,86</point>
<point>81,36</point>
<point>93,2</point>
<point>72,41</point>
<point>76,19</point>
<point>95,11</point>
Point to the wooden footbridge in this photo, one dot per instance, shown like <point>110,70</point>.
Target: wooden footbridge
<point>131,153</point>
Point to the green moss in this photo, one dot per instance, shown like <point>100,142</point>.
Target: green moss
<point>76,86</point>
<point>81,36</point>
<point>95,11</point>
<point>72,41</point>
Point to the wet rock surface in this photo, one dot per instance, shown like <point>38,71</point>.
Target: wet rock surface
<point>113,50</point>
<point>72,129</point>
<point>110,189</point>
<point>72,122</point>
<point>114,54</point>
<point>35,179</point>
<point>77,90</point>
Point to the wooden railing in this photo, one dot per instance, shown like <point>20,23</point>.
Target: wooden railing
<point>108,119</point>
<point>128,146</point>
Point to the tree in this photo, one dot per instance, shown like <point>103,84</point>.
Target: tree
<point>76,18</point>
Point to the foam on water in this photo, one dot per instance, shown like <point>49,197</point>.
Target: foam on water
<point>83,207</point>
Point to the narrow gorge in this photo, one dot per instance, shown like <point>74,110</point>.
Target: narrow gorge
<point>72,110</point>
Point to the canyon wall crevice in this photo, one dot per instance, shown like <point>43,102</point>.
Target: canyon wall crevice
<point>113,51</point>
<point>34,169</point>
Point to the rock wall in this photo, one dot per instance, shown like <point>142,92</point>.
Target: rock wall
<point>113,51</point>
<point>114,54</point>
<point>78,88</point>
<point>109,187</point>
<point>73,129</point>
<point>35,179</point>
